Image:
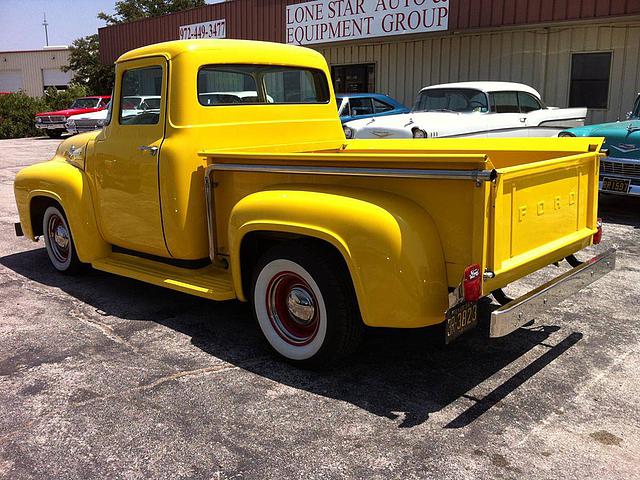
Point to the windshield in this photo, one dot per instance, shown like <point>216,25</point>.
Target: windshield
<point>451,100</point>
<point>85,103</point>
<point>636,109</point>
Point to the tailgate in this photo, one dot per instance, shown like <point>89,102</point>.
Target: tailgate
<point>542,212</point>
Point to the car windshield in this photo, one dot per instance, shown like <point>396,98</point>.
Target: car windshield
<point>451,100</point>
<point>85,103</point>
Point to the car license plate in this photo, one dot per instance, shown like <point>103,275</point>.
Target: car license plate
<point>615,185</point>
<point>459,319</point>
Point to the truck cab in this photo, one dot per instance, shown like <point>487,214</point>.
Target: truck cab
<point>259,197</point>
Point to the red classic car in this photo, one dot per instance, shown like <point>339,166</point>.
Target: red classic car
<point>54,122</point>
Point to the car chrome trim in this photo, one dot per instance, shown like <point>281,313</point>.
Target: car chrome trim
<point>522,310</point>
<point>475,175</point>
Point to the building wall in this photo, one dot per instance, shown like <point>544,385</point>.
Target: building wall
<point>540,57</point>
<point>30,65</point>
<point>265,19</point>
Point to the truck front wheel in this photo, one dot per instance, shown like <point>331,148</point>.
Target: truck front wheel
<point>59,242</point>
<point>304,303</point>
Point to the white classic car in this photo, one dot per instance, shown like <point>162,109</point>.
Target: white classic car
<point>133,106</point>
<point>472,109</point>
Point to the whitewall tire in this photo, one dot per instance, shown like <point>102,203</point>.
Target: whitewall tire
<point>304,304</point>
<point>58,241</point>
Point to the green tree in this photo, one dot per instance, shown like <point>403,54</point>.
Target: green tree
<point>129,10</point>
<point>84,61</point>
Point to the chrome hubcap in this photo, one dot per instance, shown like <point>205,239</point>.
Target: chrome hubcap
<point>292,310</point>
<point>59,242</point>
<point>301,306</point>
<point>61,237</point>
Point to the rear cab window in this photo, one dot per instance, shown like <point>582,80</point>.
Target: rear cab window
<point>261,84</point>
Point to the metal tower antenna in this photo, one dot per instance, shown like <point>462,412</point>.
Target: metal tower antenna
<point>46,32</point>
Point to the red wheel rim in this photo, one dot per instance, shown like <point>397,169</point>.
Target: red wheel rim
<point>292,308</point>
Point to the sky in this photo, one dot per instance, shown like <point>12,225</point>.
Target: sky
<point>21,21</point>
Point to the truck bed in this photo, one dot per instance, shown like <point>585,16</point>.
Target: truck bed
<point>509,205</point>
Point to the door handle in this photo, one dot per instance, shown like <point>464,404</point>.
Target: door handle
<point>153,150</point>
<point>523,119</point>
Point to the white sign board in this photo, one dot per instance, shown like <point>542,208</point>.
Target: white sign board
<point>323,21</point>
<point>212,29</point>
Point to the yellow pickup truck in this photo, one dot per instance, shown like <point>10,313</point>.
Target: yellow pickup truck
<point>236,182</point>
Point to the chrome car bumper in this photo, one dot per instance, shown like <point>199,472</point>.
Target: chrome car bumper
<point>522,310</point>
<point>51,126</point>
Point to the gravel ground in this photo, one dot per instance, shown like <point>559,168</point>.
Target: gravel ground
<point>105,377</point>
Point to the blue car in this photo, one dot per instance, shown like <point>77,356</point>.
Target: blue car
<point>352,106</point>
<point>620,171</point>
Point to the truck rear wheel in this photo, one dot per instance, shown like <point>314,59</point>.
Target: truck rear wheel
<point>304,303</point>
<point>59,242</point>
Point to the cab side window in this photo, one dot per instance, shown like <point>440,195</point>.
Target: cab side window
<point>140,96</point>
<point>528,103</point>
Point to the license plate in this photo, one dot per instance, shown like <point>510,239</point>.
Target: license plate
<point>460,319</point>
<point>615,185</point>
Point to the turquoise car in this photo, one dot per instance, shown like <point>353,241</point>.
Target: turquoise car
<point>620,171</point>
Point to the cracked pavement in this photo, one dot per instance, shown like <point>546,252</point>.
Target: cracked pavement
<point>102,376</point>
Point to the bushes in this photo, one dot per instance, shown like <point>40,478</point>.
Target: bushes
<point>18,110</point>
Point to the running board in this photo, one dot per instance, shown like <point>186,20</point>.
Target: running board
<point>208,282</point>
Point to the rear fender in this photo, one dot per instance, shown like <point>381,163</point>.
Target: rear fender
<point>68,186</point>
<point>390,246</point>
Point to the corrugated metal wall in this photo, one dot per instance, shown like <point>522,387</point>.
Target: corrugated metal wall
<point>538,57</point>
<point>265,19</point>
<point>31,64</point>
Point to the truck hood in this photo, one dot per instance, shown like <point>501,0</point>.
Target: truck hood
<point>68,112</point>
<point>622,139</point>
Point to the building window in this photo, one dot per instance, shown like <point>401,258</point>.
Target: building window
<point>354,78</point>
<point>590,74</point>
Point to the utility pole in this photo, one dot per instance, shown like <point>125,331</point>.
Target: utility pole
<point>46,32</point>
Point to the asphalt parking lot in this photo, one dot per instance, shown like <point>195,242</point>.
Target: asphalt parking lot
<point>105,377</point>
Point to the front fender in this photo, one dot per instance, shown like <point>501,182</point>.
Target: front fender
<point>390,245</point>
<point>67,185</point>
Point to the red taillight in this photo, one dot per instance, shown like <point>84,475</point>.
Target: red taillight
<point>597,237</point>
<point>472,283</point>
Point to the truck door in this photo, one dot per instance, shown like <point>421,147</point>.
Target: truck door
<point>125,164</point>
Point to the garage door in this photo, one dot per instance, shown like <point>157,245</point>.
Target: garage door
<point>10,81</point>
<point>53,77</point>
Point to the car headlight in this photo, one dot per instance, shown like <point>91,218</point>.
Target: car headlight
<point>38,119</point>
<point>417,133</point>
<point>565,134</point>
<point>71,123</point>
<point>348,132</point>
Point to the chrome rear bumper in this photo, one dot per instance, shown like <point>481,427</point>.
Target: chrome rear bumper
<point>522,310</point>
